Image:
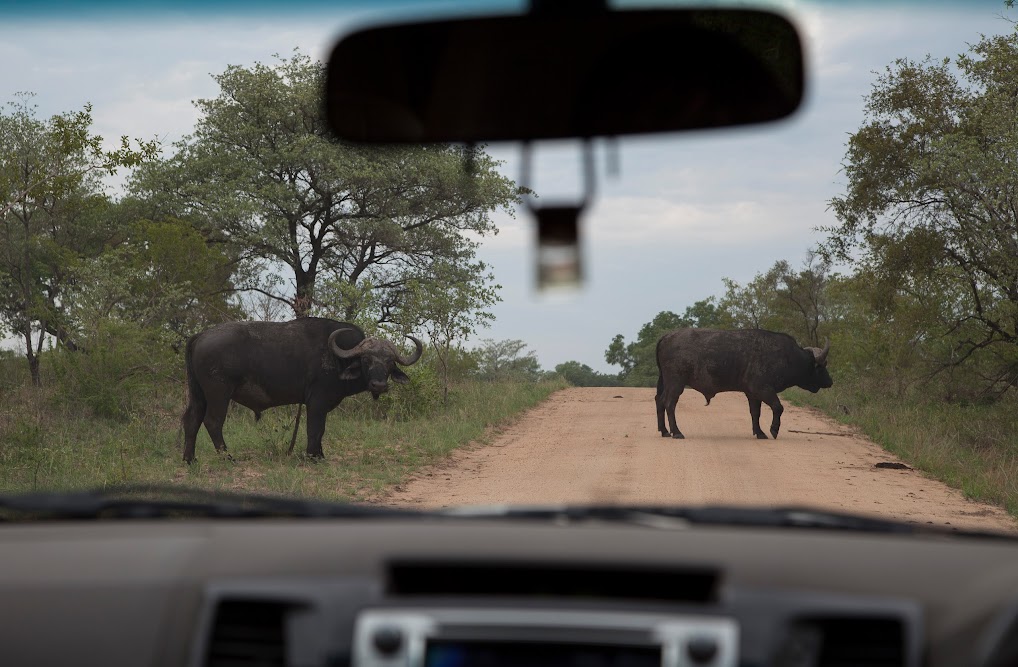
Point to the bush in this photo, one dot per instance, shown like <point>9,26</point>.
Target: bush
<point>421,397</point>
<point>582,375</point>
<point>121,369</point>
<point>13,371</point>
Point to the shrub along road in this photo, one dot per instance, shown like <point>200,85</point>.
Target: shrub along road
<point>601,445</point>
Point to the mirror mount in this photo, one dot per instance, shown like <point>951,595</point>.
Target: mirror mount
<point>567,7</point>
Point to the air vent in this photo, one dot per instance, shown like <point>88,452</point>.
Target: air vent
<point>248,633</point>
<point>695,585</point>
<point>846,642</point>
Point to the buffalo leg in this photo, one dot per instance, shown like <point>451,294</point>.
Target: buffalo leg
<point>659,405</point>
<point>669,400</point>
<point>316,429</point>
<point>754,413</point>
<point>215,417</point>
<point>192,420</point>
<point>776,409</point>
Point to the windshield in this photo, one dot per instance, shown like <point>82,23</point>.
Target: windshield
<point>199,287</point>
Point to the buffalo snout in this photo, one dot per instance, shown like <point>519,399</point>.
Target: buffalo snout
<point>377,387</point>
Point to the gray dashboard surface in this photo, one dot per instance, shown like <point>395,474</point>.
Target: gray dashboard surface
<point>133,592</point>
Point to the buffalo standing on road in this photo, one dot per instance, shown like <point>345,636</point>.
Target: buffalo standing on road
<point>310,361</point>
<point>759,363</point>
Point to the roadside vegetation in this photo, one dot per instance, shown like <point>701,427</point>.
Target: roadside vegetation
<point>971,447</point>
<point>916,286</point>
<point>50,439</point>
<point>258,214</point>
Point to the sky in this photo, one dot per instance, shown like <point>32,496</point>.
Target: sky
<point>686,210</point>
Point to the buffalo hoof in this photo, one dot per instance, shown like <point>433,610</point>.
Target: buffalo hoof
<point>761,435</point>
<point>774,433</point>
<point>665,434</point>
<point>678,436</point>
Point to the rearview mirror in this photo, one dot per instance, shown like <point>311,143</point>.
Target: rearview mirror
<point>537,76</point>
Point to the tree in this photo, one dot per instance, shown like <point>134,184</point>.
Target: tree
<point>450,305</point>
<point>705,313</point>
<point>751,306</point>
<point>52,210</point>
<point>507,360</point>
<point>582,375</point>
<point>932,194</point>
<point>161,276</point>
<point>639,358</point>
<point>262,176</point>
<point>781,299</point>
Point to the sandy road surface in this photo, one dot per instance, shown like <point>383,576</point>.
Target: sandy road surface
<point>590,446</point>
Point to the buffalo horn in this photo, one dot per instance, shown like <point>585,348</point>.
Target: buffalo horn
<point>414,357</point>
<point>822,357</point>
<point>337,350</point>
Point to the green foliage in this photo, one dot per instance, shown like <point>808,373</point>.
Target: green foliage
<point>704,314</point>
<point>639,358</point>
<point>782,299</point>
<point>52,206</point>
<point>507,360</point>
<point>930,208</point>
<point>262,176</point>
<point>423,395</point>
<point>161,276</point>
<point>122,366</point>
<point>582,375</point>
<point>450,305</point>
<point>461,364</point>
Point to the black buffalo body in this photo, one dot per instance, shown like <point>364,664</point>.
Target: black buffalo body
<point>756,362</point>
<point>311,361</point>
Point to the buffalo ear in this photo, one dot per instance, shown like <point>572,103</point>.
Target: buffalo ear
<point>351,372</point>
<point>399,376</point>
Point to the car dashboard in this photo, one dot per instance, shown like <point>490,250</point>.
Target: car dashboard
<point>438,592</point>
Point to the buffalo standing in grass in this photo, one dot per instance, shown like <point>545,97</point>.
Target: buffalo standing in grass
<point>309,361</point>
<point>759,363</point>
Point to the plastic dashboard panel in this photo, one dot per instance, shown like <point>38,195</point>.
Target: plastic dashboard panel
<point>145,593</point>
<point>324,613</point>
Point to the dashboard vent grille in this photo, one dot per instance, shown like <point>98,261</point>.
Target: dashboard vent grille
<point>696,585</point>
<point>848,642</point>
<point>248,633</point>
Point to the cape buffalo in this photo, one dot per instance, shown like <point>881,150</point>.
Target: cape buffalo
<point>310,361</point>
<point>758,363</point>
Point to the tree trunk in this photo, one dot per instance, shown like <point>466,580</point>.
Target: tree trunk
<point>443,362</point>
<point>303,300</point>
<point>33,366</point>
<point>33,358</point>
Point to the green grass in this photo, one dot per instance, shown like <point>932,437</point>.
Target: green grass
<point>47,444</point>
<point>971,447</point>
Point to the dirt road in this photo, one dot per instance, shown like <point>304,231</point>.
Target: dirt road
<point>601,445</point>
